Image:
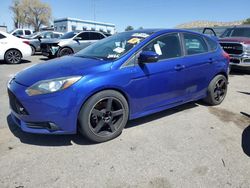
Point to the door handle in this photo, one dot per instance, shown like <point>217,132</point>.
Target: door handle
<point>211,60</point>
<point>179,67</point>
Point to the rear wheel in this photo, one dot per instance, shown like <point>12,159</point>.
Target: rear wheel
<point>65,51</point>
<point>33,50</point>
<point>103,116</point>
<point>13,56</point>
<point>217,90</point>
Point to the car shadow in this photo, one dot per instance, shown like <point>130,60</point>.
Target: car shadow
<point>22,62</point>
<point>239,71</point>
<point>243,92</point>
<point>44,59</point>
<point>245,141</point>
<point>67,140</point>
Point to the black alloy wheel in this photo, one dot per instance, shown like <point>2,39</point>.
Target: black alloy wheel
<point>103,116</point>
<point>13,56</point>
<point>220,90</point>
<point>217,90</point>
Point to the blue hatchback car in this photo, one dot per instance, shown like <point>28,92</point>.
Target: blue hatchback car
<point>122,77</point>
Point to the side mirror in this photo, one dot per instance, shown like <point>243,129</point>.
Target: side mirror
<point>77,38</point>
<point>148,57</point>
<point>39,38</point>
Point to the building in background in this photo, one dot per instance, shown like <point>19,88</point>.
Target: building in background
<point>3,28</point>
<point>73,24</point>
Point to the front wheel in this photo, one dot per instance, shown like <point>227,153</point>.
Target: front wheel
<point>217,90</point>
<point>103,116</point>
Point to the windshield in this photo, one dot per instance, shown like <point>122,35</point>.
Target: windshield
<point>114,46</point>
<point>236,32</point>
<point>68,35</point>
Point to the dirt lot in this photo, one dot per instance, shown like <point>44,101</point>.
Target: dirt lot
<point>189,146</point>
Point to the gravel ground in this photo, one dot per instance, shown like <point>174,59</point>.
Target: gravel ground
<point>189,146</point>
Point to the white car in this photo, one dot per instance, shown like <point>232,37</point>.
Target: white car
<point>13,49</point>
<point>21,32</point>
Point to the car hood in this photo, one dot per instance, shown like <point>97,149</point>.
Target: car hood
<point>61,67</point>
<point>244,40</point>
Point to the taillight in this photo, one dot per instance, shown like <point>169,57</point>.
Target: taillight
<point>226,55</point>
<point>26,42</point>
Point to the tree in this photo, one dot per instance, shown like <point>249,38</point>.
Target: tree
<point>31,12</point>
<point>17,18</point>
<point>247,21</point>
<point>129,28</point>
<point>140,27</point>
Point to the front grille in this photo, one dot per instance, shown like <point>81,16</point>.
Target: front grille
<point>232,48</point>
<point>16,105</point>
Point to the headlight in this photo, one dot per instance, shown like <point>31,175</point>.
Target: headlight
<point>247,48</point>
<point>51,86</point>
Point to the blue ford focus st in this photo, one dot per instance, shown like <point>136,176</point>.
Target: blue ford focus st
<point>119,78</point>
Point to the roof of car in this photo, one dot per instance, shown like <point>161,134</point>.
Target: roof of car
<point>162,30</point>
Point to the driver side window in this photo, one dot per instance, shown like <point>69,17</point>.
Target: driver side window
<point>166,46</point>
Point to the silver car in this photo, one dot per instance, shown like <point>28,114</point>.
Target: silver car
<point>70,43</point>
<point>35,39</point>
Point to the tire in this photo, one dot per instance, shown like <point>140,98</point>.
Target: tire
<point>13,56</point>
<point>65,51</point>
<point>33,50</point>
<point>103,116</point>
<point>217,90</point>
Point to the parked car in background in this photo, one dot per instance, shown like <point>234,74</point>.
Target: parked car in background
<point>70,43</point>
<point>13,49</point>
<point>236,42</point>
<point>35,39</point>
<point>21,32</point>
<point>124,76</point>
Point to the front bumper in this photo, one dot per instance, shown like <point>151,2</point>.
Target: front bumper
<point>45,114</point>
<point>242,60</point>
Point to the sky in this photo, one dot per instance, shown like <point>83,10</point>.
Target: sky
<point>137,13</point>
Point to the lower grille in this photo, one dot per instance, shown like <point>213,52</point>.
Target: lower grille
<point>232,48</point>
<point>16,105</point>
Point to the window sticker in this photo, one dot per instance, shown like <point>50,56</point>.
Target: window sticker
<point>112,56</point>
<point>119,50</point>
<point>134,41</point>
<point>141,35</point>
<point>158,49</point>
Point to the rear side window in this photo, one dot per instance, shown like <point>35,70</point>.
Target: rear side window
<point>194,44</point>
<point>27,32</point>
<point>212,44</point>
<point>2,36</point>
<point>95,36</point>
<point>166,46</point>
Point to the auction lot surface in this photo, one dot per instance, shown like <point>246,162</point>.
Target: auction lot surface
<point>189,146</point>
